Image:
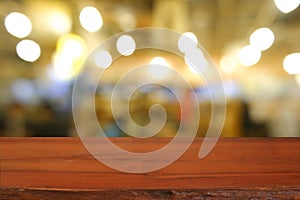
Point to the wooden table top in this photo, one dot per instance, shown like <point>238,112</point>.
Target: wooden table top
<point>236,166</point>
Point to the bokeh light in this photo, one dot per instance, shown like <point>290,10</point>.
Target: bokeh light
<point>72,45</point>
<point>287,6</point>
<point>18,24</point>
<point>126,45</point>
<point>262,39</point>
<point>103,59</point>
<point>229,63</point>
<point>158,68</point>
<point>90,19</point>
<point>28,50</point>
<point>69,55</point>
<point>59,22</point>
<point>187,41</point>
<point>126,19</point>
<point>249,55</point>
<point>291,63</point>
<point>297,77</point>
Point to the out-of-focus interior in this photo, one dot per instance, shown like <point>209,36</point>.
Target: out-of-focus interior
<point>255,46</point>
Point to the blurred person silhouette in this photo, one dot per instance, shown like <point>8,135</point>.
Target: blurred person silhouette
<point>251,128</point>
<point>15,120</point>
<point>46,122</point>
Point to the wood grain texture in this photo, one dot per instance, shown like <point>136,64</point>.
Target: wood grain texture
<point>261,167</point>
<point>174,194</point>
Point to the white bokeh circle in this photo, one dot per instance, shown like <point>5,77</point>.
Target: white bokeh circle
<point>103,59</point>
<point>126,45</point>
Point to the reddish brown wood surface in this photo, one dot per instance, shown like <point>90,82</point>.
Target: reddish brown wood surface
<point>174,194</point>
<point>58,164</point>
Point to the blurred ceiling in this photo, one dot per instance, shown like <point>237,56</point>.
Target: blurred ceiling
<point>221,26</point>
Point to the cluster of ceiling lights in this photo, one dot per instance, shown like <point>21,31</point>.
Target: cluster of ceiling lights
<point>70,50</point>
<point>261,40</point>
<point>187,41</point>
<point>291,62</point>
<point>20,26</point>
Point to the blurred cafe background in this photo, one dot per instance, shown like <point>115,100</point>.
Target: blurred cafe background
<point>255,46</point>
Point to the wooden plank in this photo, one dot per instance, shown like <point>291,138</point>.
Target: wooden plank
<point>179,194</point>
<point>261,166</point>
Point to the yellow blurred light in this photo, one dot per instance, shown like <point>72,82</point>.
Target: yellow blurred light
<point>63,66</point>
<point>126,19</point>
<point>159,61</point>
<point>18,24</point>
<point>249,55</point>
<point>297,77</point>
<point>59,22</point>
<point>287,6</point>
<point>72,45</point>
<point>291,63</point>
<point>158,68</point>
<point>229,63</point>
<point>28,50</point>
<point>90,19</point>
<point>70,53</point>
<point>262,39</point>
<point>50,18</point>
